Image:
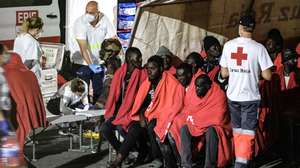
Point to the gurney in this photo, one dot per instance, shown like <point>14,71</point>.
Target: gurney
<point>53,120</point>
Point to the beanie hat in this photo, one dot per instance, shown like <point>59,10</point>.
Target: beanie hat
<point>210,41</point>
<point>163,51</point>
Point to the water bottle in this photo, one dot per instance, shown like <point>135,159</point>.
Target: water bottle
<point>9,151</point>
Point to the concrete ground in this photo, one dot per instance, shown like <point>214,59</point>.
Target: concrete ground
<point>52,152</point>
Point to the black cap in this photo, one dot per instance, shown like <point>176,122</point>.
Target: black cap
<point>248,21</point>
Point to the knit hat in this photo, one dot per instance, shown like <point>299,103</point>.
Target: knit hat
<point>210,41</point>
<point>163,51</point>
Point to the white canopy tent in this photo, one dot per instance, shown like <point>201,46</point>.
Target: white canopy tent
<point>181,25</point>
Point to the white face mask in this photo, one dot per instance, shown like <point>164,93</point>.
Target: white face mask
<point>90,18</point>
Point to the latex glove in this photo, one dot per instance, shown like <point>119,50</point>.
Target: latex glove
<point>95,68</point>
<point>86,108</point>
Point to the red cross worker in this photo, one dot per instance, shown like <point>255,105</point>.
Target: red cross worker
<point>243,60</point>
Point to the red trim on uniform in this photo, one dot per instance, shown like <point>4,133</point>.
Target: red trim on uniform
<point>52,39</point>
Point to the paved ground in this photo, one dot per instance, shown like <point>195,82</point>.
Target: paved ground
<point>52,152</point>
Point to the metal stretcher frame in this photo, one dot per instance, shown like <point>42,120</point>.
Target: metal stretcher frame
<point>79,117</point>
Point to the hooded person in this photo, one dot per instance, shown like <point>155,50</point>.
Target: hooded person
<point>124,87</point>
<point>166,55</point>
<point>288,73</point>
<point>28,106</point>
<point>204,118</point>
<point>274,45</point>
<point>157,102</point>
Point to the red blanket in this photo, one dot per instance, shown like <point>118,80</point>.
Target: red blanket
<point>201,113</point>
<point>172,70</point>
<point>203,54</point>
<point>27,98</point>
<point>137,77</point>
<point>167,102</point>
<point>212,74</point>
<point>268,121</point>
<point>278,60</point>
<point>292,81</point>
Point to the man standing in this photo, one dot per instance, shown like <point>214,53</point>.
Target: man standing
<point>90,30</point>
<point>242,60</point>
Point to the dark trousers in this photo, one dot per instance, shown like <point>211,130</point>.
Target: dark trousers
<point>86,74</point>
<point>244,117</point>
<point>169,152</point>
<point>136,134</point>
<point>211,148</point>
<point>108,131</point>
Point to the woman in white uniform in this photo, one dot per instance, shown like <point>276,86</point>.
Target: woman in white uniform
<point>27,46</point>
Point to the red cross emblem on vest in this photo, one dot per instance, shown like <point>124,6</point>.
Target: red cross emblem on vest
<point>239,56</point>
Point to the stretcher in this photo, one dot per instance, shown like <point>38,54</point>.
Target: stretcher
<point>53,120</point>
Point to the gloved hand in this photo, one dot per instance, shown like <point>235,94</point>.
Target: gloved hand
<point>95,68</point>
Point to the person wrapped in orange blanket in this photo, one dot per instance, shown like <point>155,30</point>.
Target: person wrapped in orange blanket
<point>124,87</point>
<point>289,73</point>
<point>157,102</point>
<point>28,106</point>
<point>205,119</point>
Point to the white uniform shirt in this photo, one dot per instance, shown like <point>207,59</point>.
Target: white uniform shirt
<point>245,59</point>
<point>29,49</point>
<point>69,98</point>
<point>83,30</point>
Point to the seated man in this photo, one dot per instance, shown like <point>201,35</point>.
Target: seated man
<point>124,87</point>
<point>168,148</point>
<point>289,73</point>
<point>158,100</point>
<point>204,118</point>
<point>184,74</point>
<point>28,107</point>
<point>166,55</point>
<point>111,64</point>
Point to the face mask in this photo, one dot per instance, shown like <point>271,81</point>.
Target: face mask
<point>90,18</point>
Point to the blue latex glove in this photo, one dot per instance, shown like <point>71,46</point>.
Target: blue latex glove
<point>95,68</point>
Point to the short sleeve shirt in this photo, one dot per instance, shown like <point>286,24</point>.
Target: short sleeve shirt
<point>83,30</point>
<point>245,59</point>
<point>27,47</point>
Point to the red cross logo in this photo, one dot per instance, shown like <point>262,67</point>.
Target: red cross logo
<point>239,56</point>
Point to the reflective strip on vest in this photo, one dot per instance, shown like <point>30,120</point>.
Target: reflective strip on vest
<point>243,143</point>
